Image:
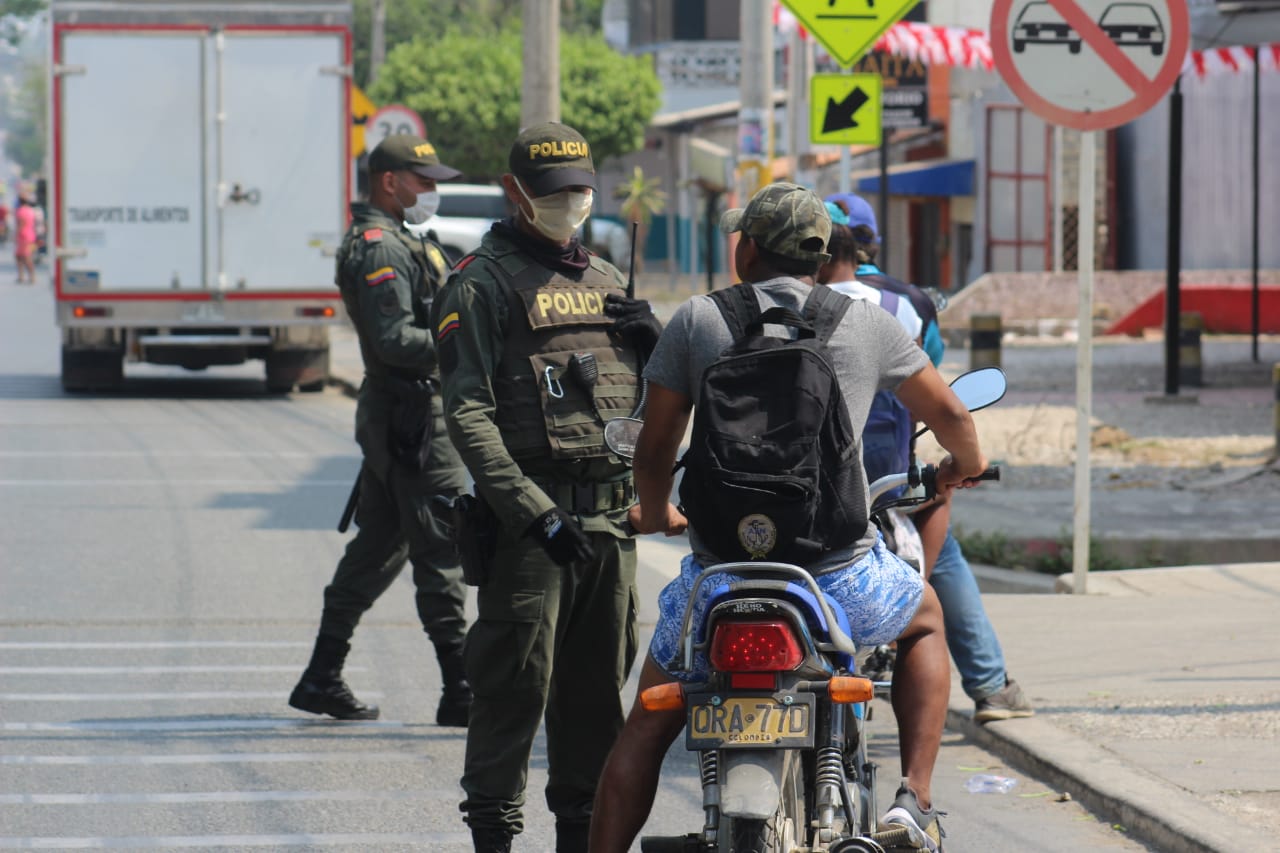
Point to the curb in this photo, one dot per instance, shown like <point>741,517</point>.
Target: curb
<point>1149,809</point>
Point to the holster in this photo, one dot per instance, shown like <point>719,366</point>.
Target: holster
<point>475,533</point>
<point>409,426</point>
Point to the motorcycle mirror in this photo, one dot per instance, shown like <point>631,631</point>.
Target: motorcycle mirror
<point>620,435</point>
<point>980,388</point>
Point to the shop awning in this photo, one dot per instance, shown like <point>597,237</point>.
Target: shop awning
<point>926,177</point>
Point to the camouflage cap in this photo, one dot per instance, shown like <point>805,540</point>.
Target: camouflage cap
<point>404,151</point>
<point>787,219</point>
<point>550,156</point>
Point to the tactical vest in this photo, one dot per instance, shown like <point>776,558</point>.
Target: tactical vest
<point>561,377</point>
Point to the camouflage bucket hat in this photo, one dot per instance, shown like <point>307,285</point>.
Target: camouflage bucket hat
<point>787,219</point>
<point>550,156</point>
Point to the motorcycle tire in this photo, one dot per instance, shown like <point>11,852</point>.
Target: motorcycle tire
<point>778,834</point>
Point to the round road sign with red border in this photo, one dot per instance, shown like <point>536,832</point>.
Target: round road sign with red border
<point>394,118</point>
<point>1089,64</point>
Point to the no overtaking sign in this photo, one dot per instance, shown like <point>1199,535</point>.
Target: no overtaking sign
<point>1089,64</point>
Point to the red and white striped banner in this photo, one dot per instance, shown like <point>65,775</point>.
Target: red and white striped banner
<point>959,47</point>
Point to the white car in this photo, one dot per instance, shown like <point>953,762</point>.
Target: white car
<point>467,210</point>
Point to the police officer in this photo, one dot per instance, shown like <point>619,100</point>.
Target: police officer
<point>388,277</point>
<point>539,349</point>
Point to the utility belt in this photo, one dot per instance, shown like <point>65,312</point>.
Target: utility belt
<point>584,498</point>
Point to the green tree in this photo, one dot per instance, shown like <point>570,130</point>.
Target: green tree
<point>641,199</point>
<point>12,15</point>
<point>28,127</point>
<point>467,89</point>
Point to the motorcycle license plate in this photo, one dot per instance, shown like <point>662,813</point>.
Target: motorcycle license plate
<point>744,722</point>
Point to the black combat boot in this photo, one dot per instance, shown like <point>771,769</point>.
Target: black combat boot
<point>455,701</point>
<point>488,840</point>
<point>571,836</point>
<point>321,689</point>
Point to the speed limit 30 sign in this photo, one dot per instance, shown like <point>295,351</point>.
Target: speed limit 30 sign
<point>395,118</point>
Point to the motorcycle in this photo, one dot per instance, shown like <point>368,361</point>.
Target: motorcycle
<point>779,723</point>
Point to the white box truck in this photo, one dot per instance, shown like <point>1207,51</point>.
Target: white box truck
<point>200,173</point>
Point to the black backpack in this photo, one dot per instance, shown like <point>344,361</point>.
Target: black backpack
<point>772,471</point>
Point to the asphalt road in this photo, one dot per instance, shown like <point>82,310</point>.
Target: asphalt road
<point>162,556</point>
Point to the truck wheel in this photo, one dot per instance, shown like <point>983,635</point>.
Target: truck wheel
<point>92,369</point>
<point>306,368</point>
<point>312,387</point>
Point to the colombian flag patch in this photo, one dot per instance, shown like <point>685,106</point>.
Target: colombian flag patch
<point>447,326</point>
<point>379,276</point>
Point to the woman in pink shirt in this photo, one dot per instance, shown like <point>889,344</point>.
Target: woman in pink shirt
<point>24,239</point>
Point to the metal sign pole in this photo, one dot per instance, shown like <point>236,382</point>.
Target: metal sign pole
<point>1084,366</point>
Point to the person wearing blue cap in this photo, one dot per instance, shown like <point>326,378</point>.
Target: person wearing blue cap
<point>971,638</point>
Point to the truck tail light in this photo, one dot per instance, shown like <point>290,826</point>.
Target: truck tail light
<point>80,312</point>
<point>755,647</point>
<point>317,311</point>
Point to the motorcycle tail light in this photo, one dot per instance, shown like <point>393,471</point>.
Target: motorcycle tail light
<point>847,689</point>
<point>755,647</point>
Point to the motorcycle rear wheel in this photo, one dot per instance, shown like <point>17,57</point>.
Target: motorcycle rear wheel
<point>778,834</point>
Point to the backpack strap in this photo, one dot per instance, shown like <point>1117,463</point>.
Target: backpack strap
<point>738,306</point>
<point>824,309</point>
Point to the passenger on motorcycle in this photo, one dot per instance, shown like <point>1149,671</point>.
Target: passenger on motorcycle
<point>783,233</point>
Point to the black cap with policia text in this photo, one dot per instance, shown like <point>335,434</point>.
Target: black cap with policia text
<point>550,156</point>
<point>405,152</point>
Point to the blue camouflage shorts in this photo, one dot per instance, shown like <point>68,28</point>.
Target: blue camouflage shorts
<point>879,593</point>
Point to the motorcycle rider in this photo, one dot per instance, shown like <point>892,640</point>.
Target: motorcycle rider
<point>784,229</point>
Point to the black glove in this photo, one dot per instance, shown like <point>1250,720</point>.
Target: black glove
<point>633,318</point>
<point>562,538</point>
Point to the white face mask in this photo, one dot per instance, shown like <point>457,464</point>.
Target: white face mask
<point>559,215</point>
<point>424,207</point>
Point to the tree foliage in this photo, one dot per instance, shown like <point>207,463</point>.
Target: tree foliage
<point>27,134</point>
<point>407,20</point>
<point>14,14</point>
<point>467,89</point>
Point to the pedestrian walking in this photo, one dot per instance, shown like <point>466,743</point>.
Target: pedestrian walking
<point>25,236</point>
<point>388,278</point>
<point>539,348</point>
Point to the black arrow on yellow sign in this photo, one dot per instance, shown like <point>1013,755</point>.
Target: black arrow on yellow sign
<point>840,114</point>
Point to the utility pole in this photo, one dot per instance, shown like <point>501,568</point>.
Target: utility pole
<point>540,88</point>
<point>377,39</point>
<point>755,98</point>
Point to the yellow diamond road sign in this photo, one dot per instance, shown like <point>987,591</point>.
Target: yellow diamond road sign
<point>848,28</point>
<point>845,109</point>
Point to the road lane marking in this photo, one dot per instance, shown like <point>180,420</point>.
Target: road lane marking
<point>211,758</point>
<point>224,724</point>
<point>150,697</point>
<point>213,841</point>
<point>161,644</point>
<point>148,670</point>
<point>194,797</point>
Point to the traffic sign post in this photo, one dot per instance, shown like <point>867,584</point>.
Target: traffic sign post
<point>1089,65</point>
<point>395,118</point>
<point>848,28</point>
<point>845,109</point>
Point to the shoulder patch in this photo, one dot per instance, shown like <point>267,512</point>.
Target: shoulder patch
<point>373,235</point>
<point>378,276</point>
<point>450,324</point>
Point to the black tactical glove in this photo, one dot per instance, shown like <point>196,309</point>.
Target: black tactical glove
<point>562,538</point>
<point>633,318</point>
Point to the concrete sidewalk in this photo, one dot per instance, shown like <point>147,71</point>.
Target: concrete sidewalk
<point>1157,694</point>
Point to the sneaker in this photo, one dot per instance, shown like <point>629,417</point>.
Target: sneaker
<point>1006,703</point>
<point>923,827</point>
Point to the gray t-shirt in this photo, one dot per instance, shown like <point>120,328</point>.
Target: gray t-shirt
<point>869,350</point>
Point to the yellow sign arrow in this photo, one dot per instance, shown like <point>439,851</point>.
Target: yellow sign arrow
<point>848,28</point>
<point>362,109</point>
<point>845,109</point>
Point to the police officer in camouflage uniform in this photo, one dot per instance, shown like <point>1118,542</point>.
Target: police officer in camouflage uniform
<point>539,348</point>
<point>388,278</point>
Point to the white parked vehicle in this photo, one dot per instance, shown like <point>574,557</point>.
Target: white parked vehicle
<point>201,173</point>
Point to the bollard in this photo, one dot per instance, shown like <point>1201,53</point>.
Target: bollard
<point>984,341</point>
<point>1275,380</point>
<point>1192,326</point>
